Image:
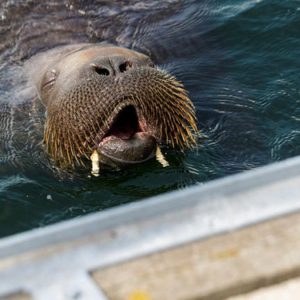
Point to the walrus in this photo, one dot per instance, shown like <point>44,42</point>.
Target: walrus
<point>109,104</point>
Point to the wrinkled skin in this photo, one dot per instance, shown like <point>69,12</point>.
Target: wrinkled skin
<point>109,99</point>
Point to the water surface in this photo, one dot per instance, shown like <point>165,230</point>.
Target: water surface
<point>238,60</point>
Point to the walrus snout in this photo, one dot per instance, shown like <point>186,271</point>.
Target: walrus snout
<point>111,101</point>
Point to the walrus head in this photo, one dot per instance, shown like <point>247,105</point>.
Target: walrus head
<point>112,100</point>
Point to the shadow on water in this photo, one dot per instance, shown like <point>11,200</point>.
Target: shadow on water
<point>238,60</point>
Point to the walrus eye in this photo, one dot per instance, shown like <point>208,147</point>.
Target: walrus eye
<point>49,79</point>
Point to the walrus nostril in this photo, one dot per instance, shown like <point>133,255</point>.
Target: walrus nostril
<point>125,66</point>
<point>101,70</point>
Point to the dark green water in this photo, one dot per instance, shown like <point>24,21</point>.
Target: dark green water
<point>239,61</point>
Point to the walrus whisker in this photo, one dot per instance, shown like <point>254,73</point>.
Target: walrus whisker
<point>69,149</point>
<point>189,118</point>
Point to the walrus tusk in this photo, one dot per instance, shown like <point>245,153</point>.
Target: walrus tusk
<point>95,163</point>
<point>160,158</point>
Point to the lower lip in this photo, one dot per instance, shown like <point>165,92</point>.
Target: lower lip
<point>127,162</point>
<point>139,148</point>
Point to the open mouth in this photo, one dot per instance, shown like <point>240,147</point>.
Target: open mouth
<point>127,141</point>
<point>125,125</point>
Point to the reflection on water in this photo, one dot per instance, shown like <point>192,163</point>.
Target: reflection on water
<point>238,60</point>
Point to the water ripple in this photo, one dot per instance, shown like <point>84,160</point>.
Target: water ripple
<point>238,60</point>
<point>15,180</point>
